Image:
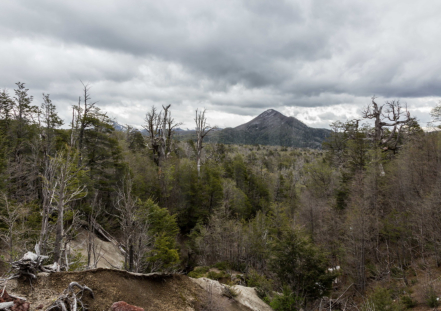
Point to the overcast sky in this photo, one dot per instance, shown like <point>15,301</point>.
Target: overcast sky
<point>317,60</point>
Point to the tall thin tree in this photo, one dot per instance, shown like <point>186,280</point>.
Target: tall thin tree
<point>202,129</point>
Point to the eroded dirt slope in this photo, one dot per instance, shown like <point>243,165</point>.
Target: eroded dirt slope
<point>109,254</point>
<point>151,292</point>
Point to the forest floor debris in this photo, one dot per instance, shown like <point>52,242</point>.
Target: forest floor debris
<point>9,302</point>
<point>71,298</point>
<point>148,291</point>
<point>29,266</point>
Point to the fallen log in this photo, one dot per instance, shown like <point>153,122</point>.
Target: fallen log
<point>107,236</point>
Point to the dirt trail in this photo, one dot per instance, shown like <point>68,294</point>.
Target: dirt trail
<point>151,292</point>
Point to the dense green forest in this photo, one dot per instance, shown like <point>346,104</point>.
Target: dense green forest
<point>359,218</point>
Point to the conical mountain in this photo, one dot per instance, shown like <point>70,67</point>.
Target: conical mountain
<point>273,128</point>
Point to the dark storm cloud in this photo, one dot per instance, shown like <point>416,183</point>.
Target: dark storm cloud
<point>235,56</point>
<point>235,41</point>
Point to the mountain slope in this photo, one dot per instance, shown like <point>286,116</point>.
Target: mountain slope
<point>273,128</point>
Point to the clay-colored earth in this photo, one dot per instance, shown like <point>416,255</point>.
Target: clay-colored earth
<point>151,292</point>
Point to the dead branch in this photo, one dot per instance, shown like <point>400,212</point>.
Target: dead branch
<point>6,305</point>
<point>70,298</point>
<point>202,130</point>
<point>389,121</point>
<point>160,128</point>
<point>29,265</point>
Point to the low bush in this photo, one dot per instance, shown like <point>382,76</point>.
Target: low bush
<point>432,298</point>
<point>287,301</point>
<point>198,272</point>
<point>381,300</point>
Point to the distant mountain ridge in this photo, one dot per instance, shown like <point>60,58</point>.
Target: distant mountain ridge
<point>273,128</point>
<point>269,128</point>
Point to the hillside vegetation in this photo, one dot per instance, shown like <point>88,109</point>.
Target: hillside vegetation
<point>357,222</point>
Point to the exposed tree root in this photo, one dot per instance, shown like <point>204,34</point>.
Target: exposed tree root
<point>30,265</point>
<point>70,299</point>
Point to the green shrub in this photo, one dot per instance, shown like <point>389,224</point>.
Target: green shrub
<point>432,298</point>
<point>198,272</point>
<point>223,265</point>
<point>288,301</point>
<point>408,302</point>
<point>163,253</point>
<point>296,260</point>
<point>216,276</point>
<point>254,279</point>
<point>381,300</point>
<point>238,266</point>
<point>263,286</point>
<point>202,269</point>
<point>78,262</point>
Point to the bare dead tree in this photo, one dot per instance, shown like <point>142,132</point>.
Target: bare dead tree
<point>69,235</point>
<point>75,124</point>
<point>163,135</point>
<point>152,126</point>
<point>125,203</point>
<point>63,187</point>
<point>48,205</point>
<point>389,119</point>
<point>134,225</point>
<point>202,129</point>
<point>435,113</point>
<point>160,127</point>
<point>94,251</point>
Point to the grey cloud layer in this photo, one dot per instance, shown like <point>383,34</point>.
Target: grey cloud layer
<point>236,56</point>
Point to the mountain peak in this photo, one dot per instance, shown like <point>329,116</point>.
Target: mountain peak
<point>270,112</point>
<point>271,118</point>
<point>273,128</point>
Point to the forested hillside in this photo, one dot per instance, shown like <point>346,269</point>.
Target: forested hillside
<point>358,221</point>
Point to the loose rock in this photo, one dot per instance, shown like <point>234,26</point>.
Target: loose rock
<point>8,302</point>
<point>124,306</point>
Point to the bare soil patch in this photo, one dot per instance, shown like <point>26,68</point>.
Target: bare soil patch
<point>149,291</point>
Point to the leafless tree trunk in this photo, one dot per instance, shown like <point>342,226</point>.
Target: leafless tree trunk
<point>126,205</point>
<point>160,127</point>
<point>63,188</point>
<point>390,119</point>
<point>94,252</point>
<point>202,129</point>
<point>134,225</point>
